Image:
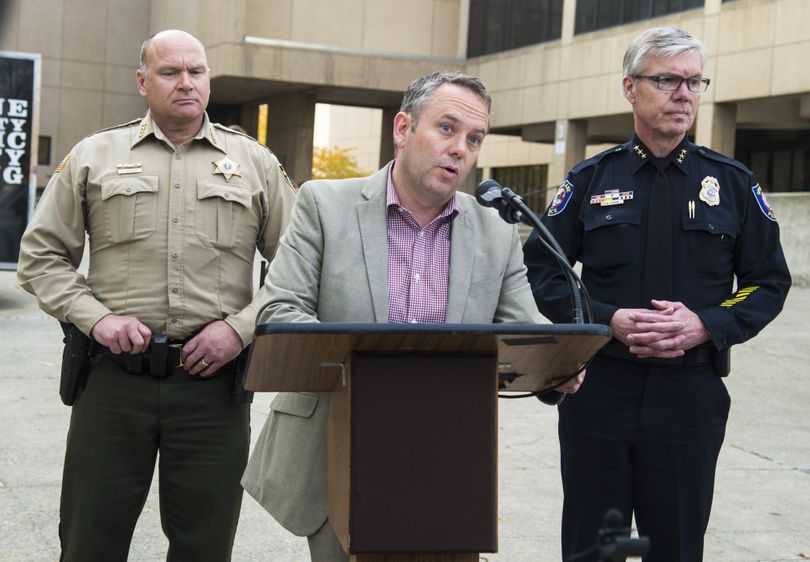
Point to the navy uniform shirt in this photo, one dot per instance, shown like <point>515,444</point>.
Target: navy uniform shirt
<point>599,217</point>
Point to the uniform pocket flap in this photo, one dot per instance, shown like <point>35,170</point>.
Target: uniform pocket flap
<point>227,192</point>
<point>129,185</point>
<point>609,217</point>
<point>295,403</point>
<point>712,226</point>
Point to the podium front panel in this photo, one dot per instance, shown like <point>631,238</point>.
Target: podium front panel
<point>423,453</point>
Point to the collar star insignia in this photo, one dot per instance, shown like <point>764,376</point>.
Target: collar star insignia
<point>641,153</point>
<point>226,167</point>
<point>681,156</point>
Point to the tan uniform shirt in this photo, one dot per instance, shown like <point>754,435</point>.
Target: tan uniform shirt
<point>172,234</point>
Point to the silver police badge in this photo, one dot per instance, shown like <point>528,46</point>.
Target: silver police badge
<point>710,191</point>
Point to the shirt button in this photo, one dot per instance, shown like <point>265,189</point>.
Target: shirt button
<point>417,276</point>
<point>177,184</point>
<point>227,196</point>
<point>175,220</point>
<point>421,234</point>
<point>412,320</point>
<point>608,217</point>
<point>174,290</point>
<point>178,157</point>
<point>128,189</point>
<point>173,320</point>
<point>711,227</point>
<point>175,255</point>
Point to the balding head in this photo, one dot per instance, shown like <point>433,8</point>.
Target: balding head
<point>170,35</point>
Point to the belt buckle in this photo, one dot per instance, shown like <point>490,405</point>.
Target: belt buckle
<point>176,348</point>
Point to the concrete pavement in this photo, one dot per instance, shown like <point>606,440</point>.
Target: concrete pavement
<point>762,499</point>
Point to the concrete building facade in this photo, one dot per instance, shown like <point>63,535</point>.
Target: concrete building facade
<point>555,100</point>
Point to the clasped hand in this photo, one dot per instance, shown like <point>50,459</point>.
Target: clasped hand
<point>665,331</point>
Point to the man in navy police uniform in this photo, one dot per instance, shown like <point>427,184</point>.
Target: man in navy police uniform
<point>662,228</point>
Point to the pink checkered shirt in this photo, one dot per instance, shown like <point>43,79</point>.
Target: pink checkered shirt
<point>418,262</point>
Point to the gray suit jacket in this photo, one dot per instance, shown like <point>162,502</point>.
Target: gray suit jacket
<point>332,266</point>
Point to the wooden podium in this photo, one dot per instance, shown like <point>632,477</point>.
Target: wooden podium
<point>412,430</point>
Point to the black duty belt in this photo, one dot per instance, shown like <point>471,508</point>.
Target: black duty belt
<point>699,356</point>
<point>161,359</point>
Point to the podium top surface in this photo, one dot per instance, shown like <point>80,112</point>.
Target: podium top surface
<point>310,356</point>
<point>397,330</point>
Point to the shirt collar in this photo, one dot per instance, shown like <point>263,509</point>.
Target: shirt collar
<point>148,127</point>
<point>679,157</point>
<point>392,199</point>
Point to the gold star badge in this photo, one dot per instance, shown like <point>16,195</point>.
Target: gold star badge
<point>710,191</point>
<point>226,167</point>
<point>641,153</point>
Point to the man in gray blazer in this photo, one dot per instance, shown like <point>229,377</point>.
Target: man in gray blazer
<point>399,246</point>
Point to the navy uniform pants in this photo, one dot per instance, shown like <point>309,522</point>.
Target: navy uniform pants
<point>117,427</point>
<point>645,440</point>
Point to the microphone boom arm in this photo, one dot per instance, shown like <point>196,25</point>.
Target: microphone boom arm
<point>521,212</point>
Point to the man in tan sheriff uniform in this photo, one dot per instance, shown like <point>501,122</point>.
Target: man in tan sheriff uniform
<point>174,207</point>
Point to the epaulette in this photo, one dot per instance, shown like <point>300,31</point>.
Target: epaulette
<point>594,160</point>
<point>121,126</point>
<point>227,129</point>
<point>717,157</point>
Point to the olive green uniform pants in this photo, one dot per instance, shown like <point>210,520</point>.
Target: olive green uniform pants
<point>117,427</point>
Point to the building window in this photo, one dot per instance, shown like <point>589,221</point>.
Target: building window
<point>44,151</point>
<point>779,159</point>
<point>527,181</point>
<point>500,25</point>
<point>599,14</point>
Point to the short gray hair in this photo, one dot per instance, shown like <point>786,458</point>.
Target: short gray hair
<point>144,47</point>
<point>660,42</point>
<point>420,91</point>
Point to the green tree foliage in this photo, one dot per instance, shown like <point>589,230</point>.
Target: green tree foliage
<point>335,163</point>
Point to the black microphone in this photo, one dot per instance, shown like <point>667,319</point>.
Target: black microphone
<point>490,194</point>
<point>615,543</point>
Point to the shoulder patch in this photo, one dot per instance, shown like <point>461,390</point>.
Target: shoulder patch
<point>62,163</point>
<point>561,199</point>
<point>594,160</point>
<point>286,177</point>
<point>762,201</point>
<point>717,157</point>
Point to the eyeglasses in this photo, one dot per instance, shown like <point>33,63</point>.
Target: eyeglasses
<point>669,83</point>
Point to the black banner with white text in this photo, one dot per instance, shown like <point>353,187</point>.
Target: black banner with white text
<point>19,98</point>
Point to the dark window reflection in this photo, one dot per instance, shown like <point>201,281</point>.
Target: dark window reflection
<point>600,14</point>
<point>500,25</point>
<point>527,181</point>
<point>44,151</point>
<point>779,159</point>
